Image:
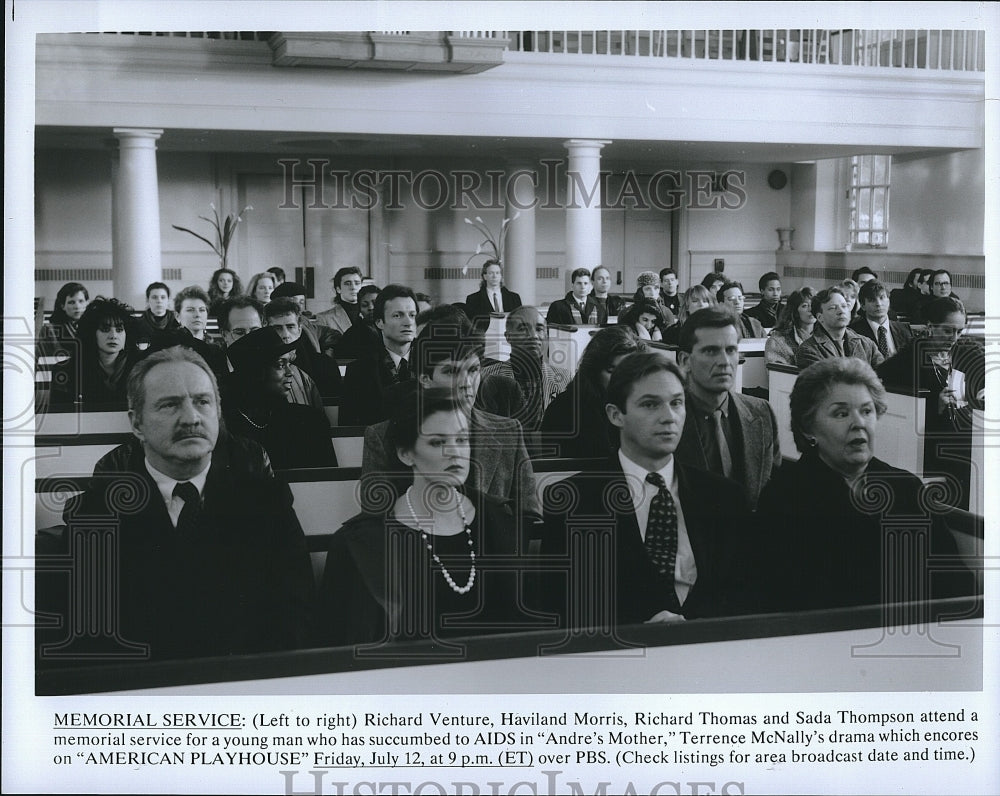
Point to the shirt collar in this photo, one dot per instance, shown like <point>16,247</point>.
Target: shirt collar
<point>635,475</point>
<point>704,408</point>
<point>875,326</point>
<point>166,484</point>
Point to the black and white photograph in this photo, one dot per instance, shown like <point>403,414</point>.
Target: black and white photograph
<point>502,410</point>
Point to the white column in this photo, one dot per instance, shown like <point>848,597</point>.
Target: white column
<point>583,203</point>
<point>135,215</point>
<point>519,249</point>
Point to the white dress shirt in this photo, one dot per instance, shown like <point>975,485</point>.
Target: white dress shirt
<point>888,334</point>
<point>166,486</point>
<point>685,570</point>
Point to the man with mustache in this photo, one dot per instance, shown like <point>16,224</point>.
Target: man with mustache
<point>184,531</point>
<point>648,538</point>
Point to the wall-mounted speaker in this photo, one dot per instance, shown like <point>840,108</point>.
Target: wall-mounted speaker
<point>777,179</point>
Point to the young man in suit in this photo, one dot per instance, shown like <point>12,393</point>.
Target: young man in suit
<point>578,307</point>
<point>492,297</point>
<point>767,310</point>
<point>345,310</point>
<point>725,432</point>
<point>874,323</point>
<point>363,401</point>
<point>184,531</point>
<point>650,539</point>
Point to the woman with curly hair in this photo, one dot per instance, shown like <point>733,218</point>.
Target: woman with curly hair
<point>795,324</point>
<point>225,284</point>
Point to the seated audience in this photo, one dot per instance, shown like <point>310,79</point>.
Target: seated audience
<point>938,286</point>
<point>840,527</point>
<point>157,317</point>
<point>191,305</point>
<point>731,295</point>
<point>529,382</point>
<point>725,432</point>
<point>345,311</point>
<point>694,298</point>
<point>578,308</point>
<point>644,318</point>
<point>862,275</point>
<point>942,364</point>
<point>225,284</point>
<point>447,354</point>
<point>874,323</point>
<point>649,539</point>
<point>58,337</point>
<point>766,311</point>
<point>575,422</point>
<point>362,336</point>
<point>669,290</point>
<point>831,336</point>
<point>284,315</point>
<point>238,317</point>
<point>97,373</point>
<point>795,324</point>
<point>492,297</point>
<point>368,377</point>
<point>649,290</point>
<point>612,305</point>
<point>255,404</point>
<point>278,273</point>
<point>208,558</point>
<point>903,300</point>
<point>714,281</point>
<point>261,287</point>
<point>850,288</point>
<point>435,562</point>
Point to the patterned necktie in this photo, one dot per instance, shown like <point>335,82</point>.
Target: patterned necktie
<point>725,457</point>
<point>883,342</point>
<point>403,370</point>
<point>187,522</point>
<point>661,535</point>
<point>496,304</point>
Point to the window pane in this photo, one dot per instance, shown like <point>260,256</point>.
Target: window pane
<point>862,237</point>
<point>865,170</point>
<point>881,170</point>
<point>878,208</point>
<point>878,239</point>
<point>864,197</point>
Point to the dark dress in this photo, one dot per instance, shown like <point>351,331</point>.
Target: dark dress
<point>87,384</point>
<point>823,546</point>
<point>381,584</point>
<point>294,435</point>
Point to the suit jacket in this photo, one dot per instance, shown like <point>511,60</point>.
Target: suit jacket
<point>900,332</point>
<point>478,304</point>
<point>599,505</point>
<point>500,465</point>
<point>768,316</point>
<point>760,453</point>
<point>561,311</point>
<point>335,318</point>
<point>363,390</point>
<point>749,326</point>
<point>820,346</point>
<point>240,583</point>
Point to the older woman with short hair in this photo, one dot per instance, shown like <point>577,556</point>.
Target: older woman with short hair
<point>795,324</point>
<point>829,522</point>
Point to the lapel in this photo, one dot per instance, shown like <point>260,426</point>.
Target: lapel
<point>698,530</point>
<point>487,453</point>
<point>899,336</point>
<point>689,448</point>
<point>750,432</point>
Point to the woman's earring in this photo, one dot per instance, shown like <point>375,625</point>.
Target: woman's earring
<point>811,441</point>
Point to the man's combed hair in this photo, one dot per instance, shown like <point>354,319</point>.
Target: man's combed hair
<point>157,286</point>
<point>720,294</point>
<point>937,309</point>
<point>237,303</point>
<point>137,377</point>
<point>871,290</point>
<point>578,272</point>
<point>282,306</point>
<point>707,318</point>
<point>770,276</point>
<point>824,296</point>
<point>342,272</point>
<point>390,292</point>
<point>632,369</point>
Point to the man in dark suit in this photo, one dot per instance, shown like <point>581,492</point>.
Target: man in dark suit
<point>650,539</point>
<point>492,297</point>
<point>578,307</point>
<point>725,432</point>
<point>184,532</point>
<point>447,353</point>
<point>370,375</point>
<point>874,323</point>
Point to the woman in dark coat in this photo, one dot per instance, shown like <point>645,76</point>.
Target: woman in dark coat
<point>434,562</point>
<point>575,421</point>
<point>255,405</point>
<point>58,337</point>
<point>839,527</point>
<point>98,373</point>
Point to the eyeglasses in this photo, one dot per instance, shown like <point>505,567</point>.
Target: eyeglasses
<point>942,284</point>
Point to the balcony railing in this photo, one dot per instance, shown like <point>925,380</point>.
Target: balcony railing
<point>954,50</point>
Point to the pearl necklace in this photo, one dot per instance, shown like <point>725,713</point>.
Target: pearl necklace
<point>444,571</point>
<point>257,426</point>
